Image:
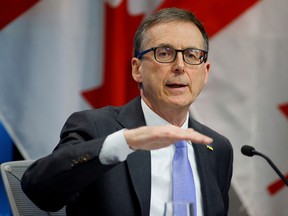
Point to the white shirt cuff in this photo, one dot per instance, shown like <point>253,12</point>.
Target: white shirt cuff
<point>115,149</point>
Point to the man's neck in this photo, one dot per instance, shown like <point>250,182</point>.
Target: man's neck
<point>174,116</point>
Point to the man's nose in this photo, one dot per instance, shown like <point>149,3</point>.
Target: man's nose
<point>179,63</point>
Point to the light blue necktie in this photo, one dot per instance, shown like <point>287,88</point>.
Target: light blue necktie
<point>183,181</point>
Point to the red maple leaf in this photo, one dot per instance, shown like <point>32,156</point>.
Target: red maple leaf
<point>276,186</point>
<point>118,85</point>
<point>284,108</point>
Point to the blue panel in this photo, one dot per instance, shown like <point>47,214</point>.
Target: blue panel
<point>6,154</point>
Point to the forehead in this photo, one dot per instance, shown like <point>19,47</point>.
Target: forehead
<point>179,35</point>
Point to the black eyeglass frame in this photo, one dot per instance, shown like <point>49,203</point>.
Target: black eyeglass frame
<point>202,59</point>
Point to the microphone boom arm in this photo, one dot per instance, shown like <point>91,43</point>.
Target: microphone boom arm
<point>272,165</point>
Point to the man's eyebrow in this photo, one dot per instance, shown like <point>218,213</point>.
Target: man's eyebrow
<point>171,46</point>
<point>165,45</point>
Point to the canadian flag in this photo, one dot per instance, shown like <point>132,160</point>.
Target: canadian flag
<point>58,57</point>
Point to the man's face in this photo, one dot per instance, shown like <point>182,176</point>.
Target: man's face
<point>170,85</point>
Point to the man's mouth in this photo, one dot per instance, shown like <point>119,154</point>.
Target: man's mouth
<point>175,85</point>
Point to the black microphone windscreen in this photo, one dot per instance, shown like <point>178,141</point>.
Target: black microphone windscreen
<point>248,150</point>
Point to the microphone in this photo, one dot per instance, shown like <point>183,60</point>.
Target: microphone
<point>250,151</point>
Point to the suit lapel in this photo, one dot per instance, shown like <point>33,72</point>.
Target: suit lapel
<point>139,166</point>
<point>139,162</point>
<point>208,186</point>
<point>207,168</point>
<point>131,115</point>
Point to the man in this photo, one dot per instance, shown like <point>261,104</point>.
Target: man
<point>118,160</point>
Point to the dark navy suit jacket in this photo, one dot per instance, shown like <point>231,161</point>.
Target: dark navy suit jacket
<point>73,176</point>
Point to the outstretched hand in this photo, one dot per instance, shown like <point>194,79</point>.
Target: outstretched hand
<point>156,137</point>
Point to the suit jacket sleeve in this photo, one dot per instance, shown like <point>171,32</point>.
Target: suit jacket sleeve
<point>51,181</point>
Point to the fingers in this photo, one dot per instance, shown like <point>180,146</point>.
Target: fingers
<point>198,138</point>
<point>150,138</point>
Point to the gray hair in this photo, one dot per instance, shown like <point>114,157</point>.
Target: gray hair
<point>164,16</point>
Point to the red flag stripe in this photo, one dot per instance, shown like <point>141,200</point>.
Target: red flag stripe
<point>11,9</point>
<point>214,14</point>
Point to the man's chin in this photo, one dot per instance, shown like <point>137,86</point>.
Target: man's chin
<point>180,102</point>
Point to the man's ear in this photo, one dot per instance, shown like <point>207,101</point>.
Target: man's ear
<point>136,69</point>
<point>207,72</point>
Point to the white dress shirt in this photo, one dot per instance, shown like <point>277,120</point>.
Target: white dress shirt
<point>115,149</point>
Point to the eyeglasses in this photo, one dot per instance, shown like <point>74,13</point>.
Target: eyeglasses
<point>191,56</point>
